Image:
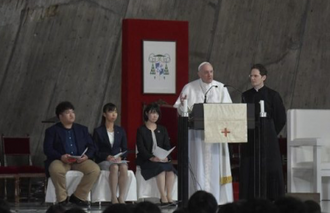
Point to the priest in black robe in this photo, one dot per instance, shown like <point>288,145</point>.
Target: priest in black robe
<point>262,176</point>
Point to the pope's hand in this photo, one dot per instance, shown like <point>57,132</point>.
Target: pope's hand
<point>182,98</point>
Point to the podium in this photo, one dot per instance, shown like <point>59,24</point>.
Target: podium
<point>196,122</point>
<point>260,142</point>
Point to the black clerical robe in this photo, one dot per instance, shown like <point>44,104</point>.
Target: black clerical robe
<point>272,163</point>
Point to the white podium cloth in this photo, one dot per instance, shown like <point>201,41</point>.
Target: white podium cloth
<point>101,190</point>
<point>225,123</point>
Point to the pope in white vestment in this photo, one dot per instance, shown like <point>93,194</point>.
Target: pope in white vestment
<point>209,163</point>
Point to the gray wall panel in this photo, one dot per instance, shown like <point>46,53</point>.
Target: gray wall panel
<point>63,52</point>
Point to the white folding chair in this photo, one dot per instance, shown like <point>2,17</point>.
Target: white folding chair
<point>148,189</point>
<point>101,190</point>
<point>309,151</point>
<point>73,178</point>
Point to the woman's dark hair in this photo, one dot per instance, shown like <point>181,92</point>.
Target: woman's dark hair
<point>107,108</point>
<point>262,69</point>
<point>289,204</point>
<point>61,107</point>
<point>153,107</point>
<point>118,208</point>
<point>75,210</point>
<point>258,205</point>
<point>234,207</point>
<point>4,210</point>
<point>146,207</point>
<point>202,202</point>
<point>4,206</point>
<point>312,206</point>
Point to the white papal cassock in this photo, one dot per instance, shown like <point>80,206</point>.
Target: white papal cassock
<point>209,163</point>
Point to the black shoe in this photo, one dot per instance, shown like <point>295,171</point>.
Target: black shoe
<point>173,203</point>
<point>162,203</point>
<point>64,202</point>
<point>73,199</point>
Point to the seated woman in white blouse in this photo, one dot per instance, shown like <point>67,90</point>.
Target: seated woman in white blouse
<point>110,140</point>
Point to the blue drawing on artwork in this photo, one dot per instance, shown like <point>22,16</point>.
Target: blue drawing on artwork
<point>159,65</point>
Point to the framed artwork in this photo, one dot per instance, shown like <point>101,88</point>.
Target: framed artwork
<point>159,67</point>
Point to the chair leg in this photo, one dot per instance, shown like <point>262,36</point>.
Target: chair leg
<point>89,205</point>
<point>17,189</point>
<point>29,190</point>
<point>45,186</point>
<point>5,186</point>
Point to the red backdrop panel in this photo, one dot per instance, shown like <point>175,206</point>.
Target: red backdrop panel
<point>134,32</point>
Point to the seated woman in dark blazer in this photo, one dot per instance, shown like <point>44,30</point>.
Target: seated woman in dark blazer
<point>110,140</point>
<point>148,137</point>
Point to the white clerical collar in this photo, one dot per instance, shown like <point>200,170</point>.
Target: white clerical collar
<point>205,86</point>
<point>259,88</point>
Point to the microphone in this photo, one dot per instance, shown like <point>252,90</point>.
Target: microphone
<point>237,90</point>
<point>227,85</point>
<point>216,86</point>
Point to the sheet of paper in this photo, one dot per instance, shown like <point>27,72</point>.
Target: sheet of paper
<point>122,161</point>
<point>119,154</point>
<point>78,157</point>
<point>162,153</point>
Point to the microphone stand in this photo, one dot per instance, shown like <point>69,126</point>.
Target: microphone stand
<point>216,86</point>
<point>237,90</point>
<point>261,156</point>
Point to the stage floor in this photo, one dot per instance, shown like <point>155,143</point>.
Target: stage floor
<point>41,208</point>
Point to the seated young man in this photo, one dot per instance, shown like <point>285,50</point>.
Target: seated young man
<point>63,141</point>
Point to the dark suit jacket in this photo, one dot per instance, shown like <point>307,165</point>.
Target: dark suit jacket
<point>144,142</point>
<point>103,147</point>
<point>54,143</point>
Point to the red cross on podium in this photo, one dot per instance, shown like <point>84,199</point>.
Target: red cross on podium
<point>225,131</point>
